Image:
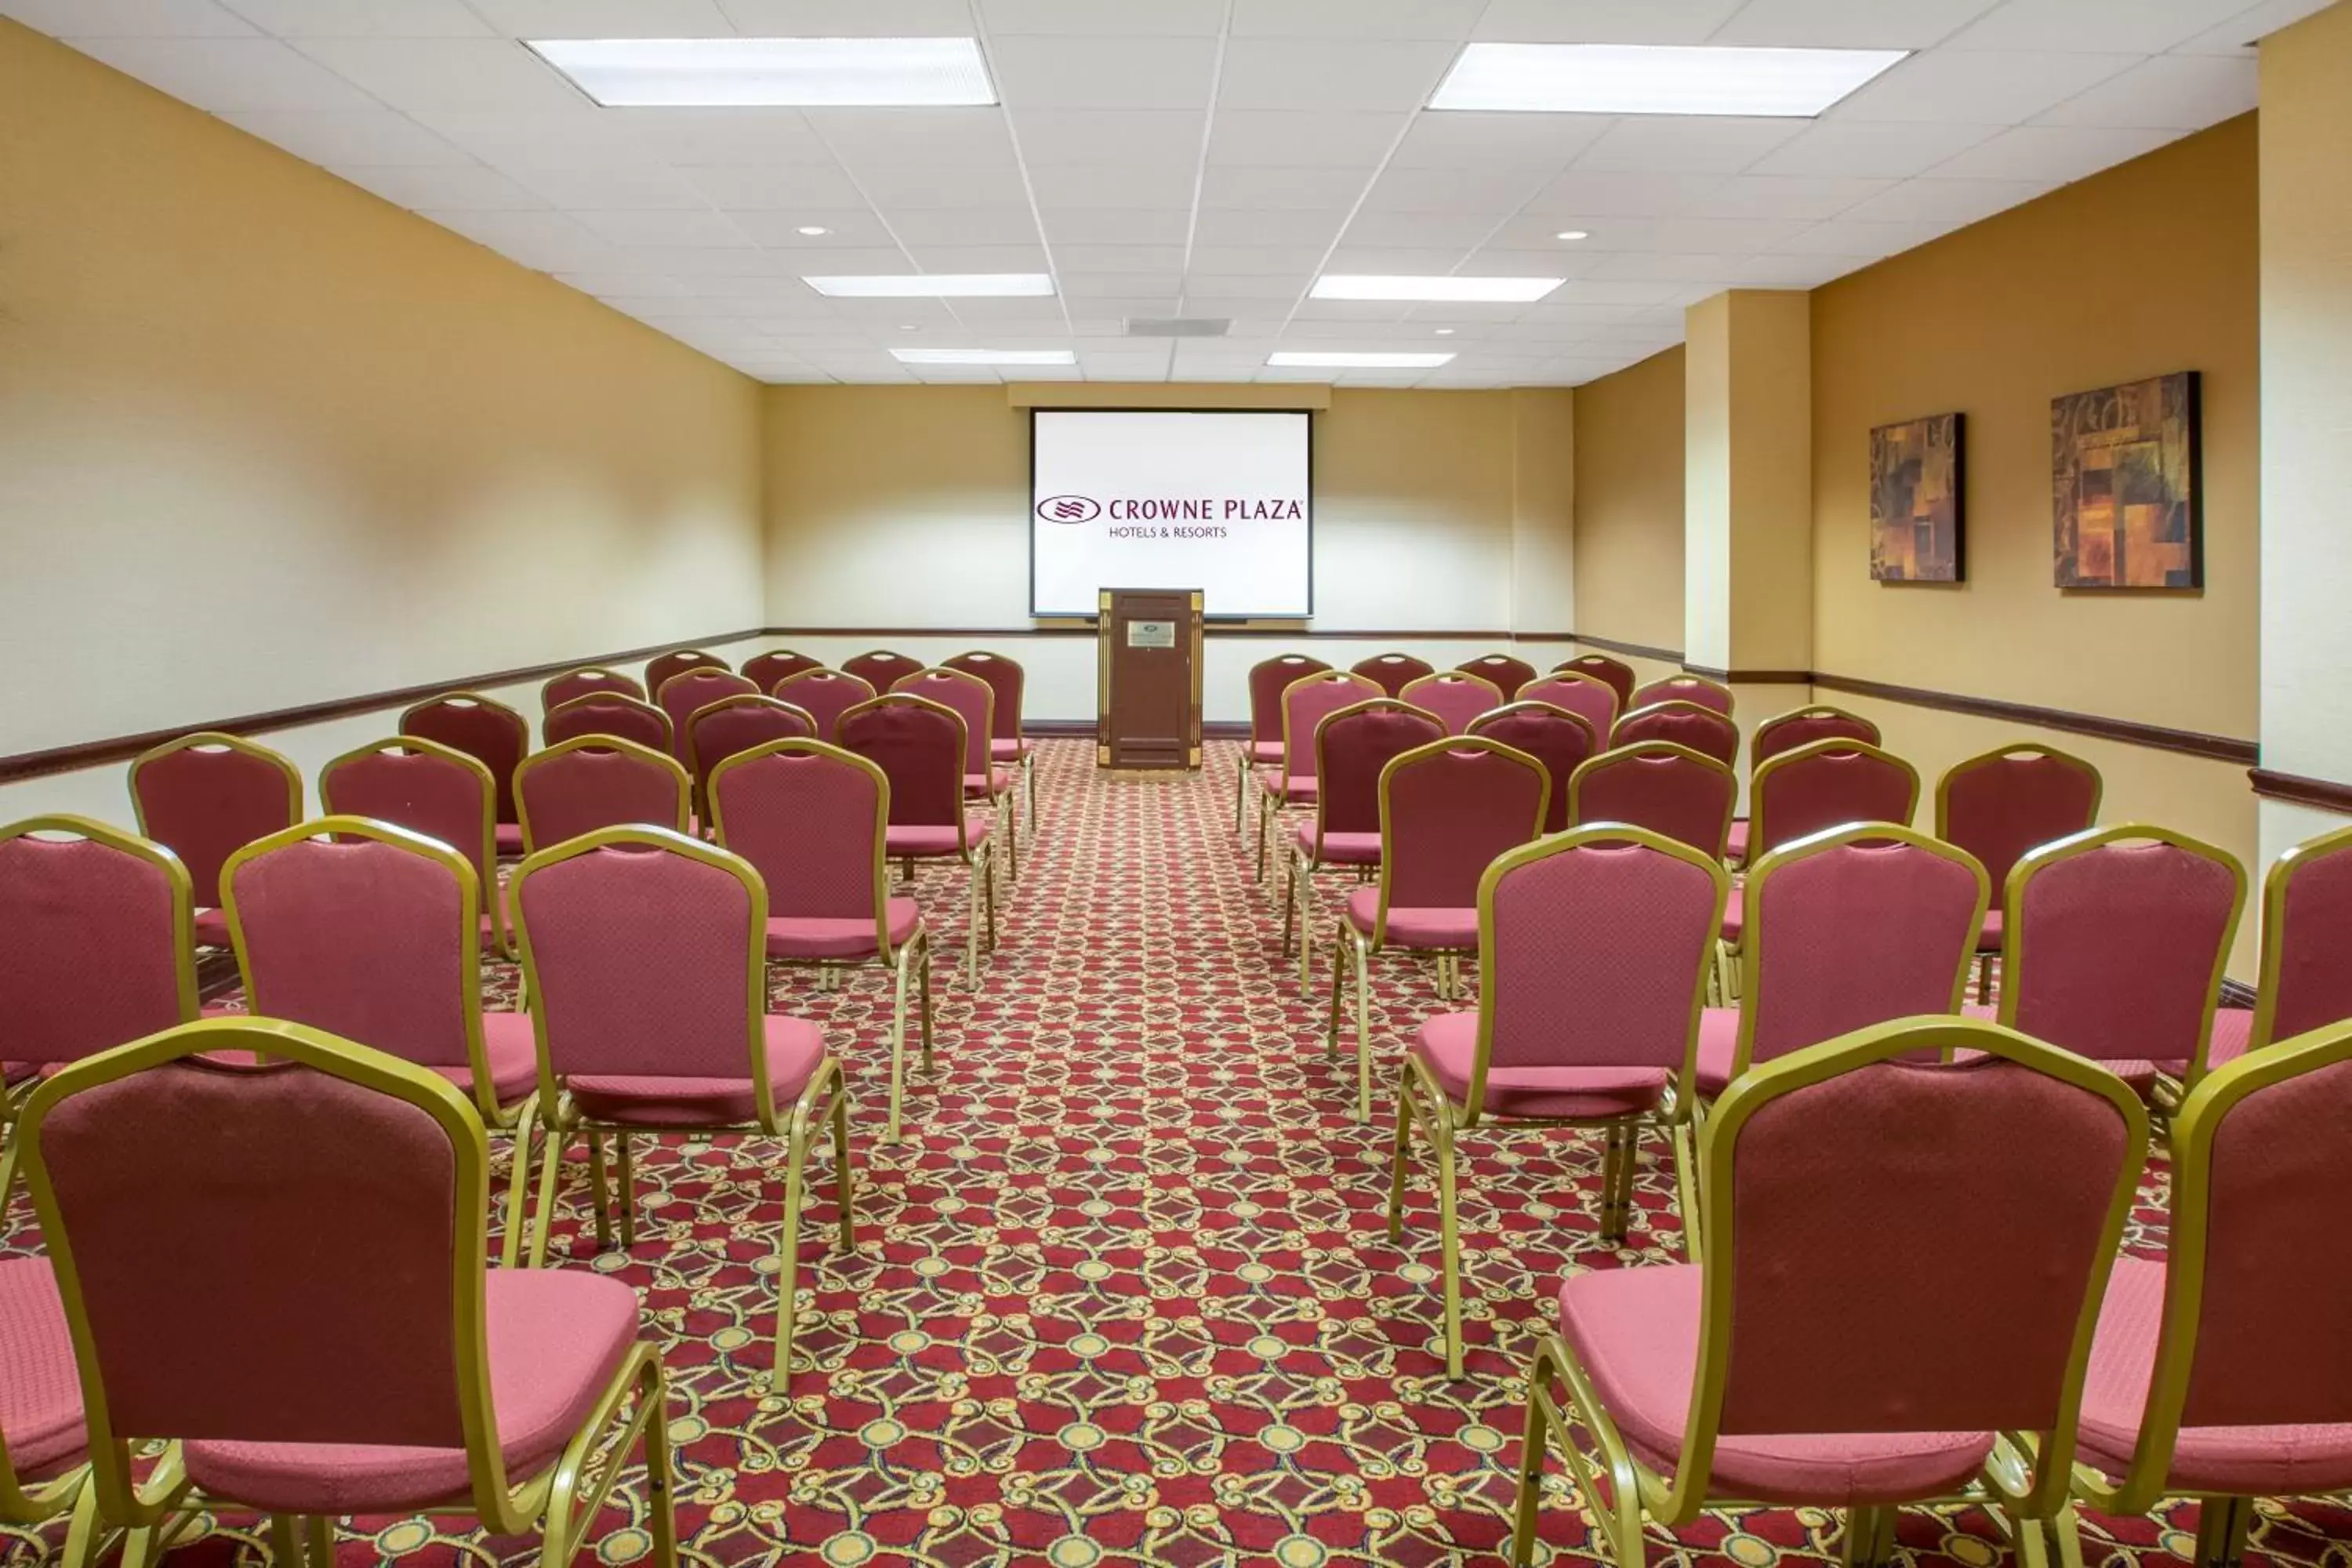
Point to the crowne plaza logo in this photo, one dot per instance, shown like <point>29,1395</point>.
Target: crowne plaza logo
<point>1069,508</point>
<point>1077,509</point>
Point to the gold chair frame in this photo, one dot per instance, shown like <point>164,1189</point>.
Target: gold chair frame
<point>1299,865</point>
<point>2277,886</point>
<point>768,687</point>
<point>480,700</point>
<point>826,1097</point>
<point>492,905</point>
<point>695,657</point>
<point>1456,677</point>
<point>1244,769</point>
<point>681,824</point>
<point>1423,1101</point>
<point>1027,763</point>
<point>1003,804</point>
<point>1685,682</point>
<point>601,672</point>
<point>1270,803</point>
<point>567,1496</point>
<point>203,737</point>
<point>2025,1479</point>
<point>909,962</point>
<point>693,758</point>
<point>1569,672</point>
<point>1586,663</point>
<point>1620,757</point>
<point>1985,967</point>
<point>1813,710</point>
<point>1678,705</point>
<point>669,735</point>
<point>980,872</point>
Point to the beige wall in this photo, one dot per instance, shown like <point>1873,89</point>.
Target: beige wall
<point>1629,503</point>
<point>267,440</point>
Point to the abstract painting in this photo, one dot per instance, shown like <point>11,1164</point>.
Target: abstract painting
<point>1914,502</point>
<point>2124,486</point>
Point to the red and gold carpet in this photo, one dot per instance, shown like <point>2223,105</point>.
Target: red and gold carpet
<point>1124,1296</point>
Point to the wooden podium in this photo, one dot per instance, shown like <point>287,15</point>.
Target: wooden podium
<point>1148,679</point>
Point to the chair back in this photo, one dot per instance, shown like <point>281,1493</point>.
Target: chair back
<point>1559,739</point>
<point>972,699</point>
<point>2113,943</point>
<point>720,729</point>
<point>588,681</point>
<point>764,669</point>
<point>95,948</point>
<point>1857,1148</point>
<point>1850,927</point>
<point>881,668</point>
<point>1454,696</point>
<point>689,692</point>
<point>1269,679</point>
<point>1448,808</point>
<point>1005,678</point>
<point>921,748</point>
<point>2012,799</point>
<point>1506,674</point>
<point>488,730</point>
<point>2306,932</point>
<point>1708,694</point>
<point>810,818</point>
<point>646,953</point>
<point>205,795</point>
<point>1590,699</point>
<point>1679,723</point>
<point>663,667</point>
<point>1803,726</point>
<point>366,930</point>
<point>1352,746</point>
<point>164,1165</point>
<point>598,781</point>
<point>824,695</point>
<point>1305,703</point>
<point>1823,785</point>
<point>429,789</point>
<point>1392,672</point>
<point>1568,980</point>
<point>622,718</point>
<point>1655,784</point>
<point>1615,674</point>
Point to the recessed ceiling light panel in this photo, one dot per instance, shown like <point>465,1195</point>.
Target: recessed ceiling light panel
<point>933,285</point>
<point>1447,287</point>
<point>701,73</point>
<point>1656,79</point>
<point>1319,359</point>
<point>984,356</point>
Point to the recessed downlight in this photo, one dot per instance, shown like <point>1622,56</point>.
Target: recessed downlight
<point>812,229</point>
<point>1563,234</point>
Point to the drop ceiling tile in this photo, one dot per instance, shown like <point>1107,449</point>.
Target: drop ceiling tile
<point>848,262</point>
<point>1851,149</point>
<point>79,19</point>
<point>776,299</point>
<point>850,19</point>
<point>1985,87</point>
<point>1841,237</point>
<point>1060,72</point>
<point>979,258</point>
<point>697,230</point>
<point>1664,144</point>
<point>228,74</point>
<point>914,138</point>
<point>1163,19</point>
<point>1390,261</point>
<point>1267,226</point>
<point>1120,257</point>
<point>1446,20</point>
<point>1231,286</point>
<point>1056,137</point>
<point>690,262</point>
<point>724,138</point>
<point>2141,27</point>
<point>449,73</point>
<point>571,140</point>
<point>2239,35</point>
<point>1295,139</point>
<point>1035,315</point>
<point>1342,75</point>
<point>1256,260</point>
<point>1249,187</point>
<point>1086,287</point>
<point>1604,21</point>
<point>548,241</point>
<point>1679,266</point>
<point>1493,192</point>
<point>1115,226</point>
<point>2172,92</point>
<point>1809,199</point>
<point>1420,230</point>
<point>848,229</point>
<point>362,18</point>
<point>355,139</point>
<point>1938,200</point>
<point>464,187</point>
<point>611,189</point>
<point>605,18</point>
<point>1100,187</point>
<point>1794,271</point>
<point>1544,142</point>
<point>1849,24</point>
<point>612,287</point>
<point>783,187</point>
<point>964,226</point>
<point>1613,291</point>
<point>1500,258</point>
<point>1584,194</point>
<point>2050,153</point>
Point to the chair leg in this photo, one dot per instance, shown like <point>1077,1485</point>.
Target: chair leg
<point>1398,1150</point>
<point>1612,1160</point>
<point>1535,1445</point>
<point>1264,814</point>
<point>788,1244</point>
<point>1450,1243</point>
<point>1290,900</point>
<point>597,1183</point>
<point>972,929</point>
<point>661,1476</point>
<point>898,1039</point>
<point>285,1540</point>
<point>1340,949</point>
<point>1869,1537</point>
<point>2221,1524</point>
<point>518,1188</point>
<point>319,1537</point>
<point>1984,978</point>
<point>1306,931</point>
<point>551,1172</point>
<point>1686,1184</point>
<point>923,977</point>
<point>844,1196</point>
<point>628,1184</point>
<point>1363,1031</point>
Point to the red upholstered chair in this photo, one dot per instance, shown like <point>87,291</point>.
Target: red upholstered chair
<point>921,748</point>
<point>1351,746</point>
<point>1454,696</point>
<point>1786,732</point>
<point>986,781</point>
<point>622,718</point>
<point>373,932</point>
<point>717,730</point>
<point>824,695</point>
<point>1006,678</point>
<point>1615,674</point>
<point>2306,932</point>
<point>491,732</point>
<point>44,1445</point>
<point>1306,703</point>
<point>686,693</point>
<point>588,681</point>
<point>2008,801</point>
<point>647,957</point>
<point>1587,1016</point>
<point>1561,742</point>
<point>205,796</point>
<point>598,781</point>
<point>678,661</point>
<point>2225,1371</point>
<point>764,669</point>
<point>1502,671</point>
<point>880,668</point>
<point>1666,788</point>
<point>426,788</point>
<point>1590,699</point>
<point>2116,945</point>
<point>1447,809</point>
<point>1685,724</point>
<point>202,1215</point>
<point>1392,672</point>
<point>1268,679</point>
<point>1711,695</point>
<point>1757,1375</point>
<point>813,820</point>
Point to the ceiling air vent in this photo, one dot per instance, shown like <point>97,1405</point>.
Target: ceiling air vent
<point>1178,326</point>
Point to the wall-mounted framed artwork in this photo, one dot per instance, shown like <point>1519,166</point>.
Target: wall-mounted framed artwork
<point>1916,514</point>
<point>2127,510</point>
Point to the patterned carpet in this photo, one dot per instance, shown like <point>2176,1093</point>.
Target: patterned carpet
<point>1124,1296</point>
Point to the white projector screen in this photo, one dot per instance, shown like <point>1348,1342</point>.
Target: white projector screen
<point>1131,498</point>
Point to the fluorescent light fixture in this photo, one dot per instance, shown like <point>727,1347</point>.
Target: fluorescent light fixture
<point>1656,79</point>
<point>1318,360</point>
<point>932,285</point>
<point>699,73</point>
<point>984,356</point>
<point>812,229</point>
<point>1563,234</point>
<point>1448,288</point>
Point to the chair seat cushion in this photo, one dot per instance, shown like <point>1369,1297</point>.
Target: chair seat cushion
<point>1340,848</point>
<point>814,936</point>
<point>212,928</point>
<point>556,1337</point>
<point>1296,790</point>
<point>928,842</point>
<point>1264,754</point>
<point>1008,749</point>
<point>14,1073</point>
<point>1732,913</point>
<point>2140,1075</point>
<point>2253,1462</point>
<point>2232,1029</point>
<point>40,1395</point>
<point>1736,846</point>
<point>795,1047</point>
<point>1415,930</point>
<point>1989,938</point>
<point>1718,1040</point>
<point>507,1041</point>
<point>995,782</point>
<point>1449,1043</point>
<point>1637,1331</point>
<point>510,837</point>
